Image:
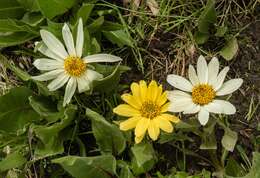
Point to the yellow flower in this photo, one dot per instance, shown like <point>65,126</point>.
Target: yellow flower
<point>146,107</point>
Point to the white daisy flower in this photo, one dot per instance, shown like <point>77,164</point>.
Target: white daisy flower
<point>67,65</point>
<point>203,88</point>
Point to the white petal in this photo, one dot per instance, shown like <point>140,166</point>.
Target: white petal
<point>47,64</point>
<point>80,39</point>
<point>53,44</point>
<point>93,75</point>
<point>191,109</point>
<point>48,75</point>
<point>202,70</point>
<point>101,58</point>
<point>220,79</point>
<point>203,116</point>
<point>68,40</point>
<point>180,105</point>
<point>229,87</point>
<point>221,107</point>
<point>44,50</point>
<point>193,76</point>
<point>58,82</point>
<point>69,91</point>
<point>179,82</point>
<point>213,69</point>
<point>83,83</point>
<point>177,94</point>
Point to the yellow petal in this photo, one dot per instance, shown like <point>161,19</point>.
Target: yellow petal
<point>152,91</point>
<point>139,139</point>
<point>171,118</point>
<point>165,107</point>
<point>164,124</point>
<point>135,89</point>
<point>142,126</point>
<point>134,102</point>
<point>153,130</point>
<point>162,99</point>
<point>143,90</point>
<point>126,110</point>
<point>129,123</point>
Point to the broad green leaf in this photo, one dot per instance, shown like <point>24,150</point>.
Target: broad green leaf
<point>254,171</point>
<point>52,8</point>
<point>112,73</point>
<point>208,137</point>
<point>96,24</point>
<point>233,168</point>
<point>119,37</point>
<point>201,38</point>
<point>125,172</point>
<point>30,5</point>
<point>15,38</point>
<point>12,25</point>
<point>51,137</point>
<point>229,139</point>
<point>15,111</point>
<point>143,158</point>
<point>230,49</point>
<point>111,26</point>
<point>89,167</point>
<point>13,160</point>
<point>11,9</point>
<point>207,17</point>
<point>45,108</point>
<point>108,136</point>
<point>33,18</point>
<point>84,12</point>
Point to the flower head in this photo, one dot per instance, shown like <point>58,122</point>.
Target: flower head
<point>146,107</point>
<point>203,88</point>
<point>67,65</point>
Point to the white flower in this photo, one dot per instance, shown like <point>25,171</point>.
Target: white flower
<point>203,88</point>
<point>68,66</point>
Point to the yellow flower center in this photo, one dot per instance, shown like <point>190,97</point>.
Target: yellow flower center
<point>74,66</point>
<point>150,109</point>
<point>203,94</point>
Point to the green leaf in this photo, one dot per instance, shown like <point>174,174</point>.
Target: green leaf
<point>112,73</point>
<point>230,49</point>
<point>45,108</point>
<point>207,17</point>
<point>12,25</point>
<point>52,8</point>
<point>201,38</point>
<point>85,11</point>
<point>143,159</point>
<point>15,111</point>
<point>51,137</point>
<point>30,5</point>
<point>96,24</point>
<point>125,172</point>
<point>108,136</point>
<point>33,18</point>
<point>229,139</point>
<point>254,171</point>
<point>89,167</point>
<point>119,37</point>
<point>13,160</point>
<point>233,168</point>
<point>15,38</point>
<point>10,9</point>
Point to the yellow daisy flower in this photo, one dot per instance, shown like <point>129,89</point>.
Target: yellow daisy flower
<point>146,107</point>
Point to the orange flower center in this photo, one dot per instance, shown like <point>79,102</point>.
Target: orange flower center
<point>74,66</point>
<point>203,94</point>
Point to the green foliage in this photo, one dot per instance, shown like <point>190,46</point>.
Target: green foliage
<point>15,111</point>
<point>109,138</point>
<point>13,160</point>
<point>230,49</point>
<point>88,167</point>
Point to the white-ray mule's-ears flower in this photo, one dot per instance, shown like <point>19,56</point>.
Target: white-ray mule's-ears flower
<point>66,65</point>
<point>200,92</point>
